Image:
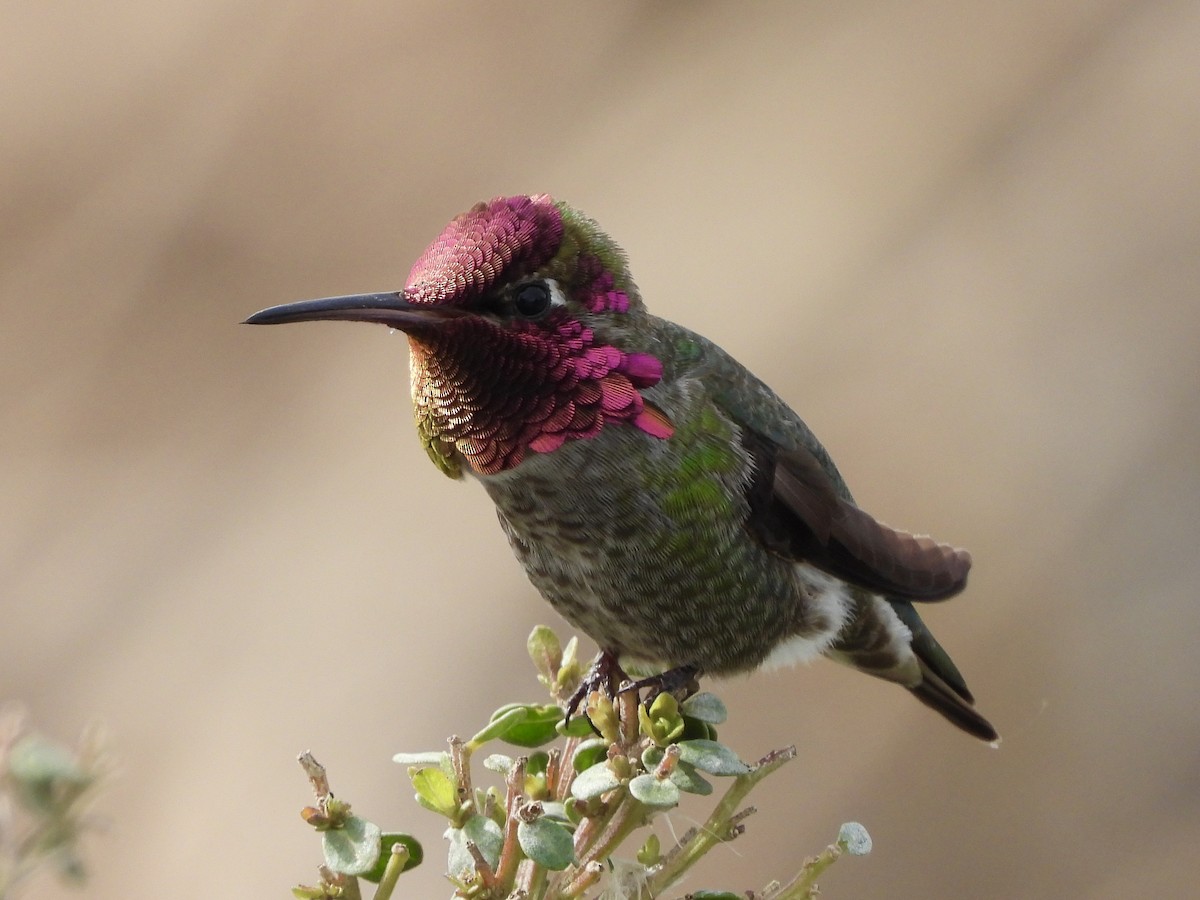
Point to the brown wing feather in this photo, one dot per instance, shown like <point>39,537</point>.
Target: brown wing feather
<point>797,510</point>
<point>914,566</point>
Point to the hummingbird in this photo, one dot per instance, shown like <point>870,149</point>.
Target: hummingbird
<point>662,498</point>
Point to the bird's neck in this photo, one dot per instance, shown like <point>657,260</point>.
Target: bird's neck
<point>490,396</point>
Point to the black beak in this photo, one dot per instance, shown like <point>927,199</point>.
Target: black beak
<point>392,309</point>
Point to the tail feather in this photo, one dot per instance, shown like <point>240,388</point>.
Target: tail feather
<point>939,696</point>
<point>930,652</point>
<point>886,638</point>
<point>942,686</point>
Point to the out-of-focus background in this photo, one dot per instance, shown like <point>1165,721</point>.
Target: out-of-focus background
<point>963,239</point>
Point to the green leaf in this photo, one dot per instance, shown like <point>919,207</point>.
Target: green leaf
<point>650,852</point>
<point>523,724</point>
<point>481,831</point>
<point>546,652</point>
<point>579,726</point>
<point>652,756</point>
<point>705,707</point>
<point>547,843</point>
<point>539,727</point>
<point>588,753</point>
<point>436,792</point>
<point>601,712</point>
<point>593,782</point>
<point>570,672</point>
<point>574,809</point>
<point>711,757</point>
<point>502,719</point>
<point>552,809</point>
<point>686,778</point>
<point>661,722</point>
<point>537,762</point>
<point>660,793</point>
<point>353,848</point>
<point>715,895</point>
<point>694,729</point>
<point>415,854</point>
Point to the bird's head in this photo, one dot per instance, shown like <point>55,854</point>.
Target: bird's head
<point>519,317</point>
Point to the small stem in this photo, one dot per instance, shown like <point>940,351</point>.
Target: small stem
<point>489,805</point>
<point>592,830</point>
<point>510,850</point>
<point>530,881</point>
<point>566,770</point>
<point>391,873</point>
<point>348,883</point>
<point>316,775</point>
<point>589,834</point>
<point>804,886</point>
<point>482,867</point>
<point>684,841</point>
<point>590,827</point>
<point>522,881</point>
<point>717,828</point>
<point>585,878</point>
<point>554,771</point>
<point>627,816</point>
<point>460,760</point>
<point>668,763</point>
<point>627,715</point>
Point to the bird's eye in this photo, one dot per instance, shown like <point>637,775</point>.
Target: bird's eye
<point>532,300</point>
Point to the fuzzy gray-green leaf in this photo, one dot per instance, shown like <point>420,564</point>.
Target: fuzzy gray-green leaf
<point>594,781</point>
<point>661,793</point>
<point>547,843</point>
<point>484,834</point>
<point>499,763</point>
<point>439,758</point>
<point>705,707</point>
<point>711,757</point>
<point>855,839</point>
<point>686,778</point>
<point>353,848</point>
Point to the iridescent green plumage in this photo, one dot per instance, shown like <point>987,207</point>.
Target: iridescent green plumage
<point>659,496</point>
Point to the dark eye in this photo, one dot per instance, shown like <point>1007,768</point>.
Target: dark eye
<point>532,300</point>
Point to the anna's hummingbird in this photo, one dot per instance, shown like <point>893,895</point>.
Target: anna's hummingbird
<point>660,497</point>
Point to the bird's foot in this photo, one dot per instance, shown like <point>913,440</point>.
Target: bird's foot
<point>681,680</point>
<point>605,675</point>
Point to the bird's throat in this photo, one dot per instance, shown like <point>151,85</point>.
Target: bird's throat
<point>490,400</point>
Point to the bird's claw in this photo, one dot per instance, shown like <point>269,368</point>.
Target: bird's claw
<point>681,679</point>
<point>605,675</point>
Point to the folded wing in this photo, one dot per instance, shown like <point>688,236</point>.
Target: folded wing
<point>797,510</point>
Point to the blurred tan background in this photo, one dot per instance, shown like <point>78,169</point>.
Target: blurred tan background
<point>963,239</point>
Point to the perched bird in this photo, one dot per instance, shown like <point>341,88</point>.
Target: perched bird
<point>660,497</point>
